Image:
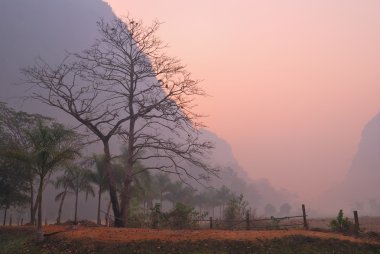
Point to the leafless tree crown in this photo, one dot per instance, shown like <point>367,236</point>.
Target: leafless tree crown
<point>126,85</point>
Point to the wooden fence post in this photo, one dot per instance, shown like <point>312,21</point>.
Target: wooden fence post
<point>247,221</point>
<point>305,226</point>
<point>356,225</point>
<point>210,222</point>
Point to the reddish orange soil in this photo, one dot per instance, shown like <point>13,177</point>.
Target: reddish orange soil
<point>121,235</point>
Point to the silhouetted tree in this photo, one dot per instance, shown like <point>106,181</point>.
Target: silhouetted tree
<point>236,209</point>
<point>62,182</point>
<point>224,195</point>
<point>81,182</point>
<point>270,210</point>
<point>163,183</point>
<point>14,128</point>
<point>285,209</point>
<point>126,85</point>
<point>13,184</point>
<point>99,178</point>
<point>51,146</point>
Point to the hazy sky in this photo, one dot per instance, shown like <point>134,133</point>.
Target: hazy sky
<point>293,82</point>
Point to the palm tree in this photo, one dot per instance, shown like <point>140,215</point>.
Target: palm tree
<point>81,182</point>
<point>64,182</point>
<point>224,195</point>
<point>178,193</point>
<point>208,199</point>
<point>51,146</point>
<point>144,190</point>
<point>100,179</point>
<point>163,183</point>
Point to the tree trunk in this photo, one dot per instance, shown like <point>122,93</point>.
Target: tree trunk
<point>108,214</point>
<point>149,204</point>
<point>125,200</point>
<point>76,206</point>
<point>40,233</point>
<point>126,191</point>
<point>5,215</point>
<point>99,221</point>
<point>60,206</point>
<point>36,207</point>
<point>112,185</point>
<point>32,210</point>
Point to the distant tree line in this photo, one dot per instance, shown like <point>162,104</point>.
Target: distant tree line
<point>35,147</point>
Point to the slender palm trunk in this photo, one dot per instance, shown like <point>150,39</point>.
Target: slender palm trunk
<point>5,215</point>
<point>36,207</point>
<point>99,221</point>
<point>108,214</point>
<point>32,210</point>
<point>76,206</point>
<point>61,205</point>
<point>40,233</point>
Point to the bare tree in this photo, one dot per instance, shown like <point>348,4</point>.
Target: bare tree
<point>126,86</point>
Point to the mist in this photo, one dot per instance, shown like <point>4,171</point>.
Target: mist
<point>290,135</point>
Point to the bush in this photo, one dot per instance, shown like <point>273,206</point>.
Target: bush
<point>156,216</point>
<point>180,217</point>
<point>236,210</point>
<point>341,223</point>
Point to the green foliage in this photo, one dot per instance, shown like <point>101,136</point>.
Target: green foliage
<point>15,175</point>
<point>13,184</point>
<point>181,216</point>
<point>341,223</point>
<point>236,209</point>
<point>156,216</point>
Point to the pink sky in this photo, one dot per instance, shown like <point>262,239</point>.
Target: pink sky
<point>293,82</point>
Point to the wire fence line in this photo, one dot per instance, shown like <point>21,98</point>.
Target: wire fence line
<point>247,223</point>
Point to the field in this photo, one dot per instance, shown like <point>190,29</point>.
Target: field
<point>62,239</point>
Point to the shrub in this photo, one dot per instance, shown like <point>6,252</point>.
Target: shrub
<point>156,216</point>
<point>236,210</point>
<point>341,223</point>
<point>182,216</point>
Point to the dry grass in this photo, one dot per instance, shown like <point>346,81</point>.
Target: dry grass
<point>125,235</point>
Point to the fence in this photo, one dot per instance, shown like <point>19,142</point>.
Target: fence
<point>256,224</point>
<point>297,221</point>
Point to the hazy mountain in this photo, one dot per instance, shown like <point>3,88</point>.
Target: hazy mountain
<point>258,192</point>
<point>48,28</point>
<point>360,187</point>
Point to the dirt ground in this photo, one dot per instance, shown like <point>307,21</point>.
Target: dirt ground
<point>123,235</point>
